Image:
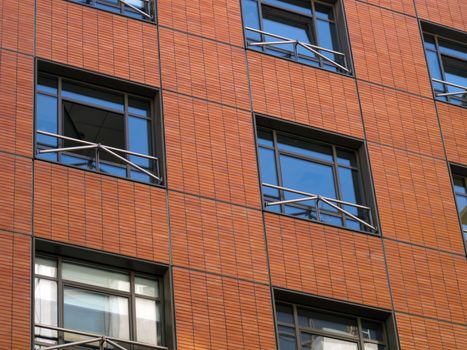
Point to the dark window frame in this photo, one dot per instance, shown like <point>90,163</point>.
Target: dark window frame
<point>62,283</point>
<point>359,340</point>
<point>153,119</point>
<point>460,173</point>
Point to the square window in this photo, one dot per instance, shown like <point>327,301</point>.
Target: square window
<point>140,9</point>
<point>307,31</point>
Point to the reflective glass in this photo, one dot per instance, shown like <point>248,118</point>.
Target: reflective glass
<point>251,18</point>
<point>139,138</point>
<point>96,313</point>
<point>330,219</point>
<point>346,158</point>
<point>429,41</point>
<point>372,346</point>
<point>459,185</point>
<point>462,207</point>
<point>372,330</point>
<point>304,213</point>
<point>456,73</point>
<point>265,138</point>
<point>327,37</point>
<point>147,287</point>
<point>303,6</point>
<point>47,84</point>
<point>80,162</point>
<point>327,322</point>
<point>348,180</point>
<point>45,267</point>
<point>45,306</point>
<point>451,48</point>
<point>147,321</point>
<point>307,149</point>
<point>139,107</point>
<point>433,64</point>
<point>46,119</point>
<point>324,12</point>
<point>284,313</point>
<point>140,176</point>
<point>314,342</point>
<point>112,169</point>
<point>287,338</point>
<point>267,165</point>
<point>89,95</point>
<point>96,277</point>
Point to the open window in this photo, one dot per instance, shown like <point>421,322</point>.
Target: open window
<point>97,128</point>
<point>315,176</point>
<point>446,52</point>
<point>141,9</point>
<point>307,31</point>
<point>459,179</point>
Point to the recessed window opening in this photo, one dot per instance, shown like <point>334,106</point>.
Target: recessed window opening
<point>140,9</point>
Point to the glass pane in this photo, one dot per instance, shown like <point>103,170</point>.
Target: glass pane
<point>303,6</point>
<point>371,346</point>
<point>139,138</point>
<point>307,149</point>
<point>327,38</point>
<point>284,313</point>
<point>304,213</point>
<point>348,180</point>
<point>462,207</point>
<point>46,119</point>
<point>139,107</point>
<point>330,219</point>
<point>267,165</point>
<point>324,12</point>
<point>456,72</point>
<point>265,138</point>
<point>147,287</point>
<point>96,277</point>
<point>451,48</point>
<point>47,84</point>
<point>435,70</point>
<point>140,176</point>
<point>346,158</point>
<point>251,18</point>
<point>45,306</point>
<point>147,321</point>
<point>96,313</point>
<point>45,267</point>
<point>327,322</point>
<point>314,342</point>
<point>80,162</point>
<point>459,185</point>
<point>307,176</point>
<point>89,95</point>
<point>287,338</point>
<point>112,169</point>
<point>429,41</point>
<point>372,330</point>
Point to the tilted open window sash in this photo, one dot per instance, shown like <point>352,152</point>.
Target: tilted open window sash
<point>142,9</point>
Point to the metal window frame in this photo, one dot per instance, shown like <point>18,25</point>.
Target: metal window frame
<point>281,201</point>
<point>131,296</point>
<point>315,49</point>
<point>358,339</point>
<point>123,7</point>
<point>464,195</point>
<point>445,94</point>
<point>154,172</point>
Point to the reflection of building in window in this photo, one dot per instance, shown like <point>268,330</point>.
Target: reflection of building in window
<point>303,30</point>
<point>446,53</point>
<point>460,189</point>
<point>312,179</point>
<point>141,9</point>
<point>96,128</point>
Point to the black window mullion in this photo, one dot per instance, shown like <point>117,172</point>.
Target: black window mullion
<point>441,63</point>
<point>132,306</point>
<point>361,343</point>
<point>126,127</point>
<point>297,328</point>
<point>315,31</point>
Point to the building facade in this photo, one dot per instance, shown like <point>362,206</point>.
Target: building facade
<point>233,174</point>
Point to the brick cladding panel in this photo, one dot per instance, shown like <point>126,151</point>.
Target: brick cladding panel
<point>100,212</point>
<point>403,6</point>
<point>451,13</point>
<point>387,48</point>
<point>210,150</point>
<point>304,95</point>
<point>218,237</point>
<point>427,282</point>
<point>219,20</point>
<point>415,200</point>
<point>16,103</point>
<point>327,261</point>
<point>214,312</point>
<point>97,40</point>
<point>15,291</point>
<point>17,25</point>
<point>203,68</point>
<point>453,121</point>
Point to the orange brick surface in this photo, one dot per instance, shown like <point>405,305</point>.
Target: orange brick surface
<point>451,13</point>
<point>17,25</point>
<point>453,122</point>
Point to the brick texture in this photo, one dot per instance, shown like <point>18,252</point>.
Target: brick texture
<point>404,6</point>
<point>415,199</point>
<point>427,283</point>
<point>217,237</point>
<point>97,40</point>
<point>16,103</point>
<point>451,13</point>
<point>17,25</point>
<point>210,150</point>
<point>100,212</point>
<point>213,312</point>
<point>218,20</point>
<point>15,291</point>
<point>387,48</point>
<point>327,261</point>
<point>453,121</point>
<point>304,95</point>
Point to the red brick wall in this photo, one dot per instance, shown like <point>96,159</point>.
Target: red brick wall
<point>224,254</point>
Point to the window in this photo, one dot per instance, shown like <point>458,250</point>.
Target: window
<point>303,328</point>
<point>460,190</point>
<point>303,30</point>
<point>141,9</point>
<point>447,60</point>
<point>85,298</point>
<point>96,128</point>
<point>313,180</point>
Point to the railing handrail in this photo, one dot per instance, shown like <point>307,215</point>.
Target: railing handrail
<point>450,93</point>
<point>137,9</point>
<point>310,47</point>
<point>327,200</point>
<point>95,337</point>
<point>449,83</point>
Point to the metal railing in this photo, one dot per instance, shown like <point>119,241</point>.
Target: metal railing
<point>334,203</point>
<point>100,147</point>
<point>452,93</point>
<point>142,13</point>
<point>120,5</point>
<point>314,49</point>
<point>100,342</point>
